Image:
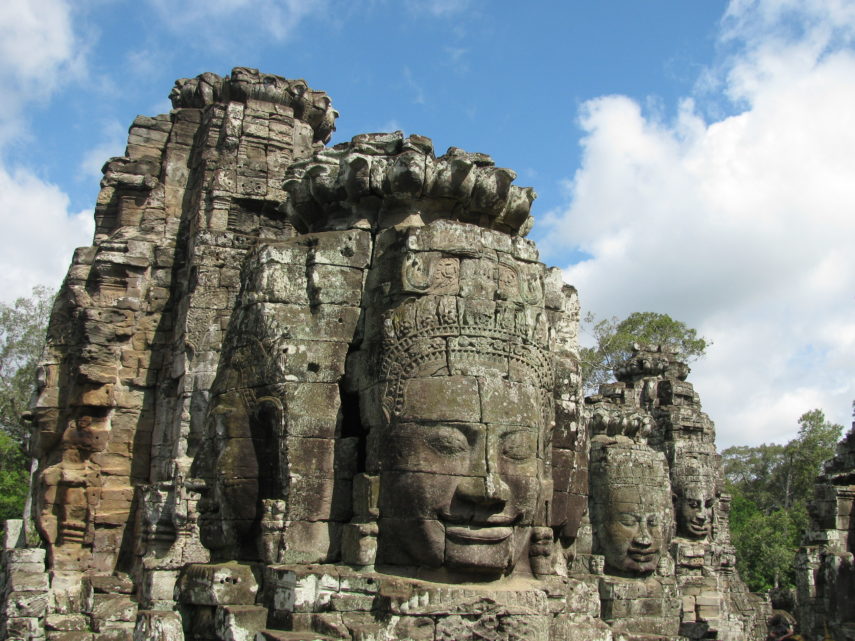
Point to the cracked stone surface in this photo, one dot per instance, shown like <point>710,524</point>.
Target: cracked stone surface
<point>294,391</point>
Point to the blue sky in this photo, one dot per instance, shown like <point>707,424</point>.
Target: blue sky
<point>481,75</point>
<point>693,158</point>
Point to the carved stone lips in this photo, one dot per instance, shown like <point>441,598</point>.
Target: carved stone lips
<point>699,529</point>
<point>478,533</point>
<point>493,529</point>
<point>642,556</point>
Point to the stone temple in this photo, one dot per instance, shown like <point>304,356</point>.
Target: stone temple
<point>302,392</point>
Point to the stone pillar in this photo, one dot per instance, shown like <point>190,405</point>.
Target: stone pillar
<point>24,594</point>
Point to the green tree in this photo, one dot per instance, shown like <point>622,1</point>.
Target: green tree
<point>614,339</point>
<point>13,479</point>
<point>804,456</point>
<point>22,339</point>
<point>751,469</point>
<point>771,486</point>
<point>765,542</point>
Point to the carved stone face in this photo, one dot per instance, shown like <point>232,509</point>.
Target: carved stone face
<point>635,531</point>
<point>228,511</point>
<point>457,491</point>
<point>694,509</point>
<point>69,488</point>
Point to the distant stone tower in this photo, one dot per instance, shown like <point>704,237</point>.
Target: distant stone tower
<point>300,392</point>
<point>825,565</point>
<point>652,411</point>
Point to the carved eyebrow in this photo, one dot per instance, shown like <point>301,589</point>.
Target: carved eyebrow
<point>426,426</point>
<point>506,430</point>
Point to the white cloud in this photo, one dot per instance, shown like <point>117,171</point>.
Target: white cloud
<point>41,52</point>
<point>214,20</point>
<point>741,226</point>
<point>388,126</point>
<point>39,49</point>
<point>457,59</point>
<point>439,8</point>
<point>416,87</point>
<point>39,233</point>
<point>36,38</point>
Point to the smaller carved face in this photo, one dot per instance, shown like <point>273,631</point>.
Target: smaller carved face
<point>228,510</point>
<point>695,511</point>
<point>635,530</point>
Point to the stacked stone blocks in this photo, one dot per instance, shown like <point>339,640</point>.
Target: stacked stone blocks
<point>299,392</point>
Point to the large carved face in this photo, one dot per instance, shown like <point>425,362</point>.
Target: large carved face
<point>694,507</point>
<point>460,485</point>
<point>636,529</point>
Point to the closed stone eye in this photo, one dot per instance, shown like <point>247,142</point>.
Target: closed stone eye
<point>518,445</point>
<point>448,442</point>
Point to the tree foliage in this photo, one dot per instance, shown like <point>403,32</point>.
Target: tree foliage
<point>771,485</point>
<point>805,455</point>
<point>765,543</point>
<point>22,339</point>
<point>13,479</point>
<point>614,339</point>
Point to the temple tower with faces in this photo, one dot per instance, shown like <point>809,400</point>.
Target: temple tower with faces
<point>299,391</point>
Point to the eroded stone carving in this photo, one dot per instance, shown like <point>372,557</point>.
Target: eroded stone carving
<point>652,408</point>
<point>631,506</point>
<point>376,178</point>
<point>462,468</point>
<point>694,500</point>
<point>313,107</point>
<point>333,393</point>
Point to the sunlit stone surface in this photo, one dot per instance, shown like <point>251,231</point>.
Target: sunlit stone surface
<point>301,392</point>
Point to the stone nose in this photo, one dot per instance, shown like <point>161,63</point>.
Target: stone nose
<point>488,489</point>
<point>485,486</point>
<point>643,537</point>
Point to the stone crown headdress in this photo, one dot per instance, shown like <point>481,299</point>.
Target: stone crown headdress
<point>337,186</point>
<point>437,335</point>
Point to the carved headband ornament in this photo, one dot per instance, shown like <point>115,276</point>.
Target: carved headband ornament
<point>253,373</point>
<point>614,464</point>
<point>452,336</point>
<point>614,420</point>
<point>688,474</point>
<point>457,186</point>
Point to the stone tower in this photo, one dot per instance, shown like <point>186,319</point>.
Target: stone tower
<point>303,392</point>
